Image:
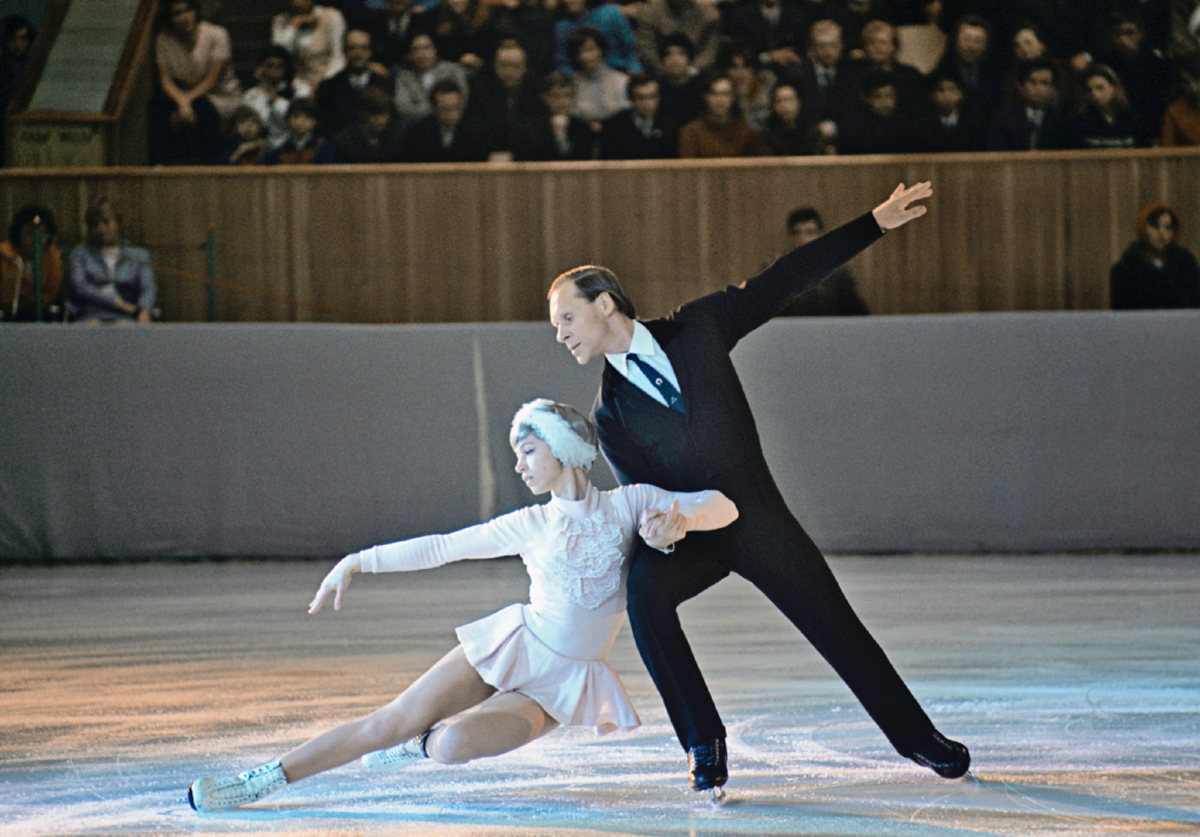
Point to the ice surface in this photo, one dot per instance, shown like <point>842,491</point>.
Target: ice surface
<point>1074,680</point>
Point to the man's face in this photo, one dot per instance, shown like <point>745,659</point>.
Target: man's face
<point>645,100</point>
<point>510,66</point>
<point>827,45</point>
<point>448,109</point>
<point>581,326</point>
<point>301,124</point>
<point>358,50</point>
<point>1038,89</point>
<point>947,96</point>
<point>971,44</point>
<point>1127,37</point>
<point>882,101</point>
<point>676,63</point>
<point>803,232</point>
<point>880,46</point>
<point>560,101</point>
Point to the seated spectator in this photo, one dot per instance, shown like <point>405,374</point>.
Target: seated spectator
<point>196,87</point>
<point>303,145</point>
<point>679,86</point>
<point>751,85</point>
<point>877,126</point>
<point>16,36</point>
<point>376,136</point>
<point>1181,122</point>
<point>424,71</point>
<point>337,96</point>
<point>599,89</point>
<point>827,84</point>
<point>837,296</point>
<point>640,132</point>
<point>787,133</point>
<point>721,131</point>
<point>555,134</point>
<point>1147,76</point>
<point>1105,119</point>
<point>446,135</point>
<point>698,20</point>
<point>774,29</point>
<point>18,279</point>
<point>247,144</point>
<point>610,20</point>
<point>972,62</point>
<point>531,24</point>
<point>274,89</point>
<point>1029,45</point>
<point>314,36</point>
<point>503,97</point>
<point>879,45</point>
<point>1155,271</point>
<point>390,27</point>
<point>109,282</point>
<point>463,32</point>
<point>951,124</point>
<point>1030,123</point>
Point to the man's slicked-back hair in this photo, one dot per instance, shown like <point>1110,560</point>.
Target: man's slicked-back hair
<point>592,280</point>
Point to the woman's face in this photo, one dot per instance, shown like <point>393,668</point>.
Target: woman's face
<point>1100,93</point>
<point>1160,233</point>
<point>786,104</point>
<point>422,53</point>
<point>107,232</point>
<point>590,56</point>
<point>183,19</point>
<point>719,98</point>
<point>538,468</point>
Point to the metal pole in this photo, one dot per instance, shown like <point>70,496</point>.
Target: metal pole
<point>37,270</point>
<point>211,246</point>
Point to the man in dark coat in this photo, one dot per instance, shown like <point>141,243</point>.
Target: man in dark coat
<point>707,439</point>
<point>641,131</point>
<point>337,96</point>
<point>447,135</point>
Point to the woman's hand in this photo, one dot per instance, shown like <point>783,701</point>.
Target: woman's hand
<point>660,529</point>
<point>336,582</point>
<point>896,212</point>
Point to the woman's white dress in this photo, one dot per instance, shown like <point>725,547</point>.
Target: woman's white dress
<point>553,649</point>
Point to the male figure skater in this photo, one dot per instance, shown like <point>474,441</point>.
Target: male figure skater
<point>671,412</point>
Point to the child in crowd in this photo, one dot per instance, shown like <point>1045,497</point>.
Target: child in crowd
<point>302,146</point>
<point>247,139</point>
<point>275,88</point>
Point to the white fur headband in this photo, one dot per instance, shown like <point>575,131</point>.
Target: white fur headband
<point>567,446</point>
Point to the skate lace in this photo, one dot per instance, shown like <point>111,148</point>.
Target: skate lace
<point>587,565</point>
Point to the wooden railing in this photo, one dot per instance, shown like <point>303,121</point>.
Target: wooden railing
<point>1005,232</point>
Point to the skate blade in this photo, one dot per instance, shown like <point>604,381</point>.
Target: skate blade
<point>718,797</point>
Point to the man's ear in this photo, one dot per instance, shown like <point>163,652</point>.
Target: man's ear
<point>605,301</point>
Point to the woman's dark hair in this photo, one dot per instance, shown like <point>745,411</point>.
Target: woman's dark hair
<point>581,36</point>
<point>164,12</point>
<point>708,80</point>
<point>25,216</point>
<point>289,67</point>
<point>1120,97</point>
<point>592,280</point>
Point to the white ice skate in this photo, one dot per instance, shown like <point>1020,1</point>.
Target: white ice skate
<point>210,794</point>
<point>399,756</point>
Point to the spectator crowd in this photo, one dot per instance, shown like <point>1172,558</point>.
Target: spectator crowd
<point>370,81</point>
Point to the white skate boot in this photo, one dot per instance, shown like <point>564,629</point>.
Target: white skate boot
<point>210,794</point>
<point>401,755</point>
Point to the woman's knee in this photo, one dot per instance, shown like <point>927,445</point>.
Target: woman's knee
<point>451,745</point>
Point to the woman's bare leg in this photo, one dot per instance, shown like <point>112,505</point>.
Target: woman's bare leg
<point>450,687</point>
<point>502,723</point>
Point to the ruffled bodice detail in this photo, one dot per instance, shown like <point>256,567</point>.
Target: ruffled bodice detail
<point>585,561</point>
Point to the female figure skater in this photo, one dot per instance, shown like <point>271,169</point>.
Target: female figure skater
<point>528,667</point>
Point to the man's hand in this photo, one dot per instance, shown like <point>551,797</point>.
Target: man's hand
<point>896,212</point>
<point>660,529</point>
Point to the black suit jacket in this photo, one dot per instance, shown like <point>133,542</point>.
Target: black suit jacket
<point>715,445</point>
<point>535,140</point>
<point>423,143</point>
<point>621,140</point>
<point>337,101</point>
<point>1011,130</point>
<point>743,19</point>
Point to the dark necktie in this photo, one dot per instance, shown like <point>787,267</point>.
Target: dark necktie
<point>665,388</point>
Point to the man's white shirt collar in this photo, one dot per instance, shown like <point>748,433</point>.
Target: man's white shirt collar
<point>642,344</point>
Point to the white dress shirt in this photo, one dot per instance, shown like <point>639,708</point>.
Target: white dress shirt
<point>647,349</point>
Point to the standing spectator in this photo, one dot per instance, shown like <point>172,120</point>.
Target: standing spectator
<point>18,280</point>
<point>1144,72</point>
<point>375,136</point>
<point>951,124</point>
<point>425,71</point>
<point>391,28</point>
<point>463,32</point>
<point>837,296</point>
<point>337,96</point>
<point>827,79</point>
<point>773,28</point>
<point>1181,122</point>
<point>877,126</point>
<point>555,134</point>
<point>751,84</point>
<point>1105,119</point>
<point>610,20</point>
<point>972,62</point>
<point>1155,271</point>
<point>721,131</point>
<point>1031,123</point>
<point>109,282</point>
<point>504,97</point>
<point>16,36</point>
<point>679,86</point>
<point>313,35</point>
<point>787,133</point>
<point>197,87</point>
<point>640,132</point>
<point>247,144</point>
<point>599,89</point>
<point>304,145</point>
<point>274,90</point>
<point>446,135</point>
<point>698,20</point>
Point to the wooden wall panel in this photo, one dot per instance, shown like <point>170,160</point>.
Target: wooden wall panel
<point>1008,232</point>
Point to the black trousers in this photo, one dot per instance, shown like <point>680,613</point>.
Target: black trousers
<point>771,550</point>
